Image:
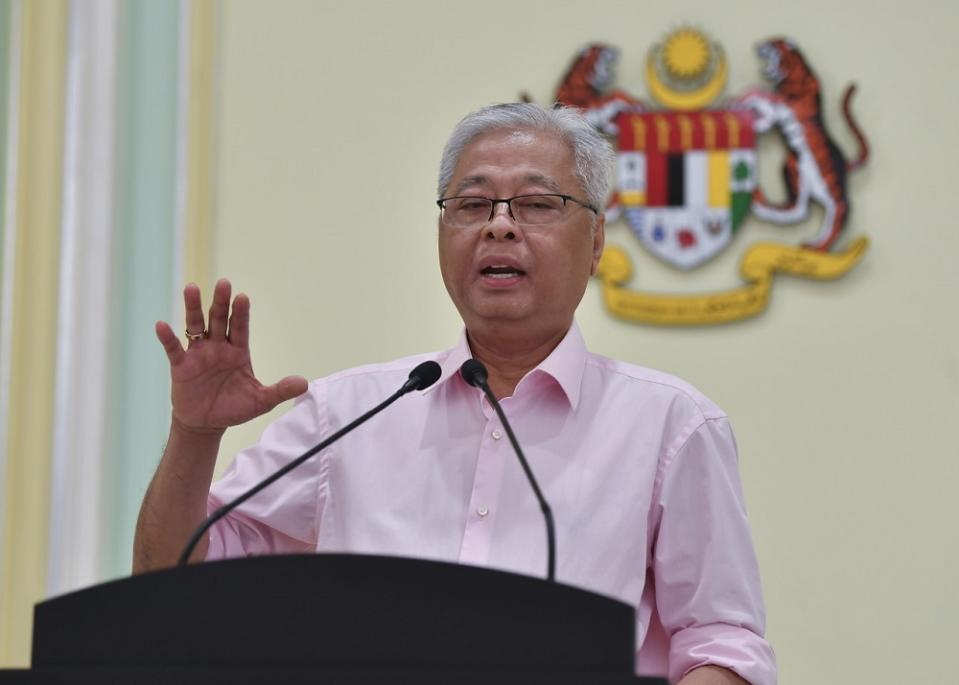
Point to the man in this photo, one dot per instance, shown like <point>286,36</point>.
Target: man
<point>640,469</point>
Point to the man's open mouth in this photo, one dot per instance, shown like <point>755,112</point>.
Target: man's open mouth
<point>502,272</point>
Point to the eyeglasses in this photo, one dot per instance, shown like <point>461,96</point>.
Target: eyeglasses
<point>525,210</point>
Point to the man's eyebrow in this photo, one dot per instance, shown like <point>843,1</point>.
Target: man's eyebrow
<point>544,181</point>
<point>467,182</point>
<point>535,179</point>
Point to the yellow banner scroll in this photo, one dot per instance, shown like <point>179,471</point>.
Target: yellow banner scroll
<point>758,266</point>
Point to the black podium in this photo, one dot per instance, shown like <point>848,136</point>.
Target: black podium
<point>332,619</point>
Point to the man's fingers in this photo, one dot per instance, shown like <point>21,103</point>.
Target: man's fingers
<point>240,321</point>
<point>193,309</point>
<point>219,310</point>
<point>286,389</point>
<point>170,342</point>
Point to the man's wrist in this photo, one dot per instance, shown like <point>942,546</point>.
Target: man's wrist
<point>192,434</point>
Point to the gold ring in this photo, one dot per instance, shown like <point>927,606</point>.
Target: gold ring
<point>196,336</point>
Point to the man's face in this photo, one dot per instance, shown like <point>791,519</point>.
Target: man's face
<point>500,274</point>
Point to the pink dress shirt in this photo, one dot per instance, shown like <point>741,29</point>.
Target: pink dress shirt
<point>639,468</point>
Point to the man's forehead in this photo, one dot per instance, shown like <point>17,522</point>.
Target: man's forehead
<point>518,138</point>
<point>522,136</point>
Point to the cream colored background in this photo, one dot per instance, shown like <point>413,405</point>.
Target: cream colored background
<point>331,121</point>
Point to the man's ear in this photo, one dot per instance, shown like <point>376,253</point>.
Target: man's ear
<point>599,241</point>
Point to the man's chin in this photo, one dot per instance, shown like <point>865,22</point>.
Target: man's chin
<point>490,316</point>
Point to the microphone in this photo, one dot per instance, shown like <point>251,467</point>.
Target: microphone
<point>420,378</point>
<point>475,374</point>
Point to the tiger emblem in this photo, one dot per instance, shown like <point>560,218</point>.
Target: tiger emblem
<point>586,85</point>
<point>815,169</point>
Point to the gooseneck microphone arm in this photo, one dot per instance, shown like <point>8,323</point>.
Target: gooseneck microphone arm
<point>422,377</point>
<point>475,374</point>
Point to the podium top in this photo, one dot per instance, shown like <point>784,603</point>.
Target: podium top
<point>335,611</point>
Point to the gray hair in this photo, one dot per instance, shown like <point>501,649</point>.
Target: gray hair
<point>592,153</point>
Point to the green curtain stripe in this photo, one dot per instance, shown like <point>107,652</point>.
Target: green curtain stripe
<point>5,11</point>
<point>4,100</point>
<point>143,267</point>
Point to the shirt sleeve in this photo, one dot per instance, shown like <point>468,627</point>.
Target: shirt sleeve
<point>284,517</point>
<point>708,592</point>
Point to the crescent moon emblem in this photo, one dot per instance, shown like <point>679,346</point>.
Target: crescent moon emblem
<point>687,101</point>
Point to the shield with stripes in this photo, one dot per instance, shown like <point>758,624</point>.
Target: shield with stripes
<point>685,180</point>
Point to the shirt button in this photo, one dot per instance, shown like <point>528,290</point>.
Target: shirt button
<point>497,434</point>
<point>482,511</point>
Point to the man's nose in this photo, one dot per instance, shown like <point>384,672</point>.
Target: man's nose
<point>502,226</point>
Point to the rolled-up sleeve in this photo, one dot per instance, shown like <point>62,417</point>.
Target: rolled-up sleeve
<point>708,592</point>
<point>284,517</point>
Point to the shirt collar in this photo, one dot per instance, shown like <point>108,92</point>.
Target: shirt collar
<point>565,364</point>
<point>451,361</point>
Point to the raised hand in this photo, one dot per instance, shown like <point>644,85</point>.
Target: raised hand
<point>213,385</point>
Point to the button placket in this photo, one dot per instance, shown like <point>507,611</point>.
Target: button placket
<point>477,536</point>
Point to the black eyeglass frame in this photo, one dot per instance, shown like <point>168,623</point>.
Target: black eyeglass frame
<point>509,206</point>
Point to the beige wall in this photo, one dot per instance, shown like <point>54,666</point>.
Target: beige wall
<point>331,121</point>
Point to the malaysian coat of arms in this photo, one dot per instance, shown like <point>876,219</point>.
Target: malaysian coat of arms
<point>686,177</point>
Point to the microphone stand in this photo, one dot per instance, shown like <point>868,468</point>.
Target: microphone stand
<point>475,374</point>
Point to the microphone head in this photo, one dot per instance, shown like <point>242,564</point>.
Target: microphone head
<point>474,373</point>
<point>424,375</point>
